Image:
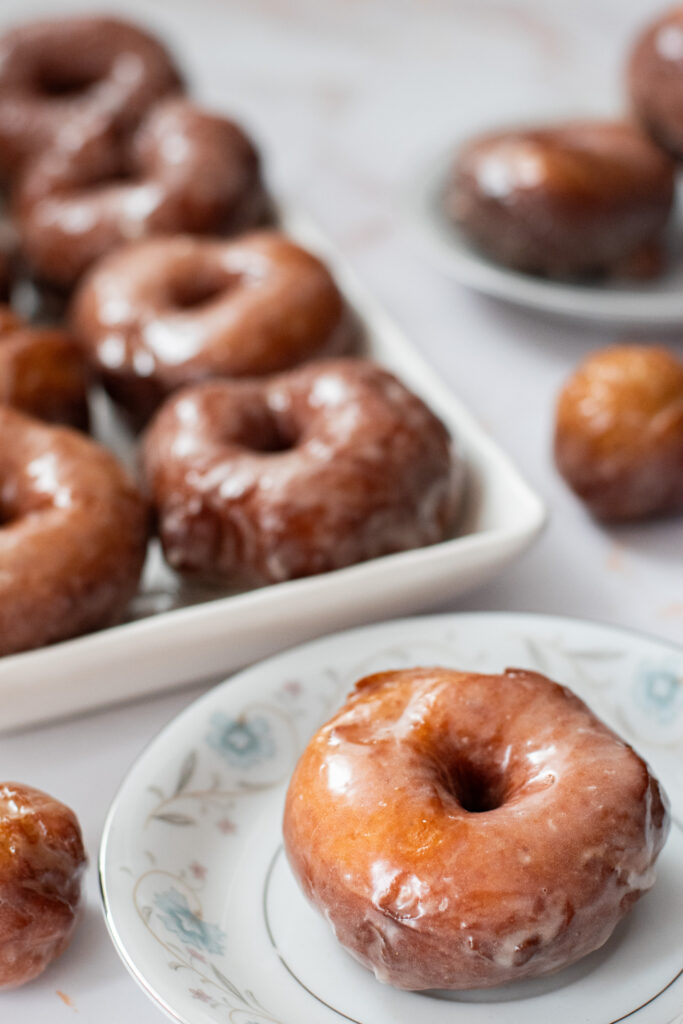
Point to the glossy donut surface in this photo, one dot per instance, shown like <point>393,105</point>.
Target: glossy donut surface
<point>462,831</point>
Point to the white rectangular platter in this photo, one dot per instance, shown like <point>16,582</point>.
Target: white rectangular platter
<point>178,635</point>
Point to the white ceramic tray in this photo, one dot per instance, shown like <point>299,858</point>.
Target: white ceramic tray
<point>206,914</point>
<point>179,635</point>
<point>657,303</point>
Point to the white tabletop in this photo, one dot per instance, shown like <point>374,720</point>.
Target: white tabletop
<point>349,99</point>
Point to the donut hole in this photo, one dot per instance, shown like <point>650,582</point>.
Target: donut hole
<point>191,291</point>
<point>270,434</point>
<point>271,442</point>
<point>8,512</point>
<point>63,82</point>
<point>477,788</point>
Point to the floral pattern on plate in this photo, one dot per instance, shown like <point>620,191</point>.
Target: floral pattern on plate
<point>192,838</point>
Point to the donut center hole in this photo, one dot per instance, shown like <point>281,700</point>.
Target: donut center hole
<point>477,788</point>
<point>268,434</point>
<point>59,83</point>
<point>190,292</point>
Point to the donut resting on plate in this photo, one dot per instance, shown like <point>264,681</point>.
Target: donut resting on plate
<point>183,170</point>
<point>73,534</point>
<point>158,314</point>
<point>65,81</point>
<point>576,199</point>
<point>302,473</point>
<point>655,80</point>
<point>42,372</point>
<point>462,831</point>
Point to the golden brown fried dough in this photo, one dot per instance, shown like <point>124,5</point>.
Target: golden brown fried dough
<point>303,473</point>
<point>619,432</point>
<point>41,864</point>
<point>655,80</point>
<point>170,311</point>
<point>576,199</point>
<point>73,533</point>
<point>42,372</point>
<point>462,831</point>
<point>183,170</point>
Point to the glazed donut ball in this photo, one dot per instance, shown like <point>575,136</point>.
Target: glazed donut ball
<point>313,470</point>
<point>183,170</point>
<point>655,80</point>
<point>165,312</point>
<point>462,831</point>
<point>42,372</point>
<point>619,432</point>
<point>576,199</point>
<point>41,863</point>
<point>73,533</point>
<point>66,80</point>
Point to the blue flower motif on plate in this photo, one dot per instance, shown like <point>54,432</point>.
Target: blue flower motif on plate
<point>175,912</point>
<point>659,691</point>
<point>242,742</point>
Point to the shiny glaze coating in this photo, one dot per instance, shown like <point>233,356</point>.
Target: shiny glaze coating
<point>306,472</point>
<point>576,199</point>
<point>42,372</point>
<point>67,80</point>
<point>73,531</point>
<point>619,432</point>
<point>655,80</point>
<point>463,831</point>
<point>165,312</point>
<point>41,863</point>
<point>183,170</point>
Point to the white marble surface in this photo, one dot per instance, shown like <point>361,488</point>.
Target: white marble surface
<point>348,99</point>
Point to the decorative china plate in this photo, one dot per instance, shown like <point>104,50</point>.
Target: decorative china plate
<point>198,896</point>
<point>180,634</point>
<point>656,303</point>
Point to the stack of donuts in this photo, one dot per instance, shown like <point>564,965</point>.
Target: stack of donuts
<point>269,449</point>
<point>586,200</point>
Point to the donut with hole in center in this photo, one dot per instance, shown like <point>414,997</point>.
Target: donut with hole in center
<point>164,312</point>
<point>302,473</point>
<point>461,831</point>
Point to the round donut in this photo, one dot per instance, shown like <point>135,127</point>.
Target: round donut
<point>575,199</point>
<point>655,80</point>
<point>42,372</point>
<point>165,312</point>
<point>462,831</point>
<point>316,469</point>
<point>73,532</point>
<point>619,432</point>
<point>183,170</point>
<point>41,863</point>
<point>66,80</point>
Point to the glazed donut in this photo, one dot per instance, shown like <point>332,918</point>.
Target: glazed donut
<point>655,81</point>
<point>73,532</point>
<point>619,432</point>
<point>463,831</point>
<point>575,199</point>
<point>41,863</point>
<point>63,81</point>
<point>42,372</point>
<point>316,469</point>
<point>165,312</point>
<point>183,170</point>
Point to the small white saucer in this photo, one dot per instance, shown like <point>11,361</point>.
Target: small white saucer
<point>198,896</point>
<point>656,303</point>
